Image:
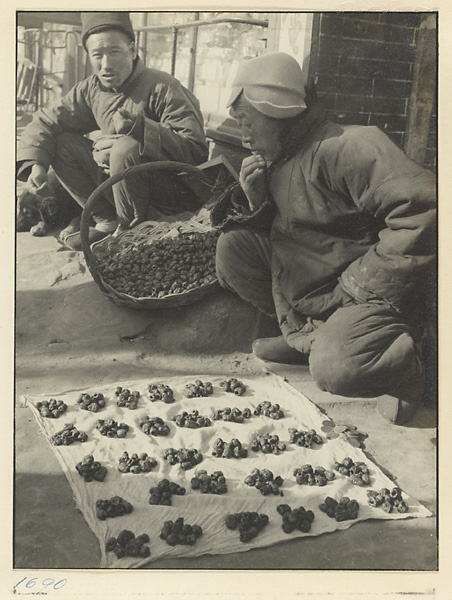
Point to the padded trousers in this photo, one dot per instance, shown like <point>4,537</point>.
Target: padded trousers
<point>360,350</point>
<point>143,197</point>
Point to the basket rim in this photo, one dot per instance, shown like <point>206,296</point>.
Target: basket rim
<point>91,261</point>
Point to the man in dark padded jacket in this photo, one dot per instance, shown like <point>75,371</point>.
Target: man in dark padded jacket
<point>143,115</point>
<point>351,235</point>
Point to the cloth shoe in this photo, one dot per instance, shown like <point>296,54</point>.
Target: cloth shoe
<point>278,350</point>
<point>74,240</point>
<point>400,407</point>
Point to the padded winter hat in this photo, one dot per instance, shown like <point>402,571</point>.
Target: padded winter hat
<point>273,84</point>
<point>93,21</point>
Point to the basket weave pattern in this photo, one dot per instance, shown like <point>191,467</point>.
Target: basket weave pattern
<point>152,249</point>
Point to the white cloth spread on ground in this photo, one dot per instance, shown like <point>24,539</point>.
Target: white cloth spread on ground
<point>207,510</point>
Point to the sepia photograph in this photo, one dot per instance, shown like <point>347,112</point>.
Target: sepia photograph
<point>226,292</point>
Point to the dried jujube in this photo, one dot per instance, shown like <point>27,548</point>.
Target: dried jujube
<point>234,386</point>
<point>232,415</point>
<point>209,484</point>
<point>161,391</point>
<point>232,449</point>
<point>307,475</point>
<point>264,481</point>
<point>91,402</point>
<point>126,544</point>
<point>115,507</point>
<point>136,463</point>
<point>153,426</point>
<point>298,518</point>
<point>178,532</point>
<point>267,409</point>
<point>304,438</point>
<point>387,500</point>
<point>162,267</point>
<point>199,389</point>
<point>268,443</point>
<point>342,510</point>
<point>358,472</point>
<point>186,457</point>
<point>52,408</point>
<point>162,492</point>
<point>90,469</point>
<point>126,398</point>
<point>68,435</point>
<point>249,524</point>
<point>191,420</point>
<point>111,428</point>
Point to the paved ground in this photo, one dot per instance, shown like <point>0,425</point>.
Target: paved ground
<point>69,335</point>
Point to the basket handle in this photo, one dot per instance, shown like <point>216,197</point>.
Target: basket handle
<point>165,166</point>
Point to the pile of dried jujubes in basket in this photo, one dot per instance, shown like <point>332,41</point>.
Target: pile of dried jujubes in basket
<point>165,266</point>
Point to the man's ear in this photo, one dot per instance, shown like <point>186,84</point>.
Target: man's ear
<point>134,50</point>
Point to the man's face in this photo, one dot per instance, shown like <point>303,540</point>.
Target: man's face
<point>111,55</point>
<point>259,133</point>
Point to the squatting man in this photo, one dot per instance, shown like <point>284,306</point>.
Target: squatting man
<point>143,115</point>
<point>340,235</point>
<point>341,226</point>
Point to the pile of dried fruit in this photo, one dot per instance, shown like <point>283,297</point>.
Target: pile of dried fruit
<point>176,532</point>
<point>333,430</point>
<point>298,518</point>
<point>199,389</point>
<point>68,435</point>
<point>153,425</point>
<point>232,415</point>
<point>126,544</point>
<point>264,481</point>
<point>232,449</point>
<point>91,469</point>
<point>304,438</point>
<point>162,392</point>
<point>343,510</point>
<point>209,484</point>
<point>162,492</point>
<point>234,386</point>
<point>268,409</point>
<point>358,472</point>
<point>126,398</point>
<point>111,428</point>
<point>191,420</point>
<point>136,464</point>
<point>115,507</point>
<point>307,475</point>
<point>52,408</point>
<point>249,524</point>
<point>186,457</point>
<point>268,443</point>
<point>166,266</point>
<point>387,500</point>
<point>91,402</point>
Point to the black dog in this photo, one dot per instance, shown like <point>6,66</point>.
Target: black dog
<point>54,208</point>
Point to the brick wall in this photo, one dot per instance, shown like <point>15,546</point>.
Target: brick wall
<point>364,68</point>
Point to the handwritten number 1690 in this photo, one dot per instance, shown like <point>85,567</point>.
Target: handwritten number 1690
<point>49,582</point>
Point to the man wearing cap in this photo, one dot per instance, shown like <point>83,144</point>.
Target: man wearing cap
<point>143,115</point>
<point>350,236</point>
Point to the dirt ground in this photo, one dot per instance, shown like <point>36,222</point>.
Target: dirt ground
<point>69,335</point>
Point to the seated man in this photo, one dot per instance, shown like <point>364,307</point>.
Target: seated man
<point>143,115</point>
<point>351,235</point>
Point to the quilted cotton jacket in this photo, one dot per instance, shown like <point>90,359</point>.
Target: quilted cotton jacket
<point>353,214</point>
<point>170,124</point>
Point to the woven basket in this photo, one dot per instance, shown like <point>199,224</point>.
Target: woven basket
<point>146,233</point>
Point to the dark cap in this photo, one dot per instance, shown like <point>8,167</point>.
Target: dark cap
<point>95,21</point>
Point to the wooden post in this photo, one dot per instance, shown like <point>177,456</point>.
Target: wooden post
<point>420,104</point>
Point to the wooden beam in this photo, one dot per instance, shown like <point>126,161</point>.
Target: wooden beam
<point>423,93</point>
